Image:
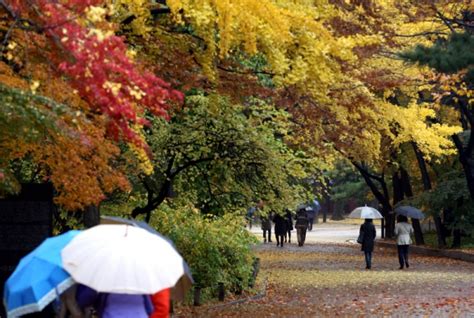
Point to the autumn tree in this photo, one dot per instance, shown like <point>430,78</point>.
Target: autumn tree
<point>74,87</point>
<point>221,157</point>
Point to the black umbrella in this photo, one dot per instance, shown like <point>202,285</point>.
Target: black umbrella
<point>409,212</point>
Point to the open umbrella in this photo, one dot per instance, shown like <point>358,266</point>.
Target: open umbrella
<point>185,282</point>
<point>410,212</point>
<point>115,258</point>
<point>39,277</point>
<point>365,212</point>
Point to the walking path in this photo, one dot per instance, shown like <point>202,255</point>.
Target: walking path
<point>326,278</point>
<point>332,232</point>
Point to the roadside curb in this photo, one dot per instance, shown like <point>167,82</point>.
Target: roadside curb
<point>466,257</point>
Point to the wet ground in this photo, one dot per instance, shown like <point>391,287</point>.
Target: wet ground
<point>327,278</point>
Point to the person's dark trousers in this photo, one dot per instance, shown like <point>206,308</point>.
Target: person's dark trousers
<point>279,239</point>
<point>301,234</point>
<point>269,235</point>
<point>288,233</point>
<point>310,225</point>
<point>368,260</point>
<point>403,255</point>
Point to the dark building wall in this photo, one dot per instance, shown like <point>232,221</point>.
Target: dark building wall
<point>25,221</point>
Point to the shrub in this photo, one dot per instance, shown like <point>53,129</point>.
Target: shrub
<point>217,249</point>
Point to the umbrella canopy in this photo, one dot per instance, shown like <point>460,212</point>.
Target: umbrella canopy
<point>410,212</point>
<point>125,259</point>
<point>38,278</point>
<point>365,212</point>
<point>185,282</point>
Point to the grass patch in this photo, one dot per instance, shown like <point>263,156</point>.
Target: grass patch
<point>432,241</point>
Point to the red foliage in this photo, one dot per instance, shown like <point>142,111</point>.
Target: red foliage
<point>98,67</point>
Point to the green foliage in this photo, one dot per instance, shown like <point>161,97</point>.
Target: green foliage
<point>346,183</point>
<point>450,193</point>
<point>217,249</point>
<point>221,156</point>
<point>446,55</point>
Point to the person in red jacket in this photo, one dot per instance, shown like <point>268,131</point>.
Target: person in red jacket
<point>161,303</point>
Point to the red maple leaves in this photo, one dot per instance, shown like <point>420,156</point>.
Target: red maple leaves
<point>96,64</point>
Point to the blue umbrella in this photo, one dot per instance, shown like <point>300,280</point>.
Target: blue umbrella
<point>409,212</point>
<point>39,277</point>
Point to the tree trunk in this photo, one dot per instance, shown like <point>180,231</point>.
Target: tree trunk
<point>440,232</point>
<point>427,186</point>
<point>406,185</point>
<point>382,198</point>
<point>456,238</point>
<point>337,213</point>
<point>328,208</point>
<point>466,153</point>
<point>91,216</point>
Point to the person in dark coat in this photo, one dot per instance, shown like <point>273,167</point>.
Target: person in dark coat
<point>266,228</point>
<point>367,233</point>
<point>289,225</point>
<point>280,228</point>
<point>301,226</point>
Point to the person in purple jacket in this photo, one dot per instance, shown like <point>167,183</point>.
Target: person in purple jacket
<point>108,305</point>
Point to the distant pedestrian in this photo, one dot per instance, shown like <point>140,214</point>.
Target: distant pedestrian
<point>280,228</point>
<point>266,228</point>
<point>367,234</point>
<point>301,225</point>
<point>289,225</point>
<point>249,216</point>
<point>403,230</point>
<point>312,211</point>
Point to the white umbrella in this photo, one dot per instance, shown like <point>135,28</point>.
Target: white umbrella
<point>122,259</point>
<point>365,212</point>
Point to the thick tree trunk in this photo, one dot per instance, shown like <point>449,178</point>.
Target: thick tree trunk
<point>338,211</point>
<point>327,209</point>
<point>440,231</point>
<point>406,185</point>
<point>91,216</point>
<point>456,238</point>
<point>425,177</point>
<point>466,153</point>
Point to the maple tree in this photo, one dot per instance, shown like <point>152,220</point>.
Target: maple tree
<point>68,53</point>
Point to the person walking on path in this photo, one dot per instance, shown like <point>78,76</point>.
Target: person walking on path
<point>280,228</point>
<point>301,225</point>
<point>312,211</point>
<point>289,225</point>
<point>266,228</point>
<point>367,234</point>
<point>249,216</point>
<point>403,230</point>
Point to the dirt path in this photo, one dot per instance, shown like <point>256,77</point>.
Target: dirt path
<point>328,280</point>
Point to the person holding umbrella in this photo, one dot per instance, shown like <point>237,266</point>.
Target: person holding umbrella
<point>403,230</point>
<point>367,234</point>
